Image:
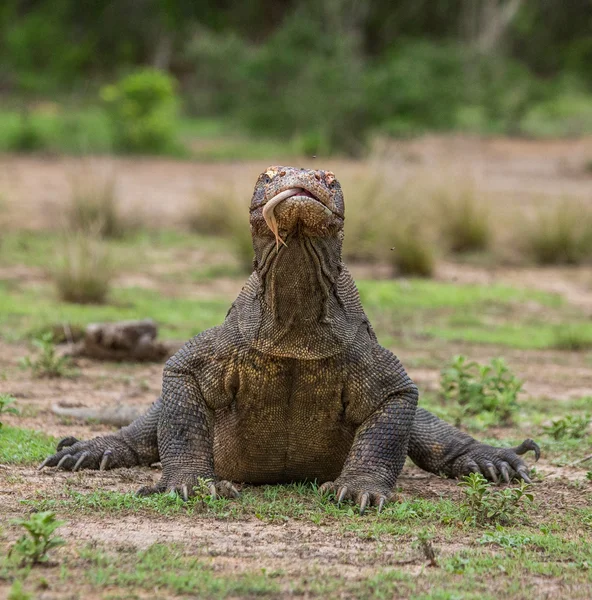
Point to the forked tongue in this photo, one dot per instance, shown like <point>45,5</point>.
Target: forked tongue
<point>269,215</point>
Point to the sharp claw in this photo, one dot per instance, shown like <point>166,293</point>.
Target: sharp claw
<point>364,503</point>
<point>79,462</point>
<point>105,460</point>
<point>66,442</point>
<point>234,492</point>
<point>527,445</point>
<point>505,473</point>
<point>213,493</point>
<point>342,494</point>
<point>492,473</point>
<point>184,493</point>
<point>63,460</point>
<point>381,504</point>
<point>44,463</point>
<point>524,475</point>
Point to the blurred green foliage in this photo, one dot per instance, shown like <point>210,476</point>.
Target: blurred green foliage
<point>142,109</point>
<point>322,75</point>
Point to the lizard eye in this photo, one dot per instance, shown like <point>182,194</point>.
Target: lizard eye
<point>266,178</point>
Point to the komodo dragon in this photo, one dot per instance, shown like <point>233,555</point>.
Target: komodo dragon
<point>293,385</point>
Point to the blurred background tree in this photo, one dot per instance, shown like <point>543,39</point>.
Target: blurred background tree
<point>323,74</point>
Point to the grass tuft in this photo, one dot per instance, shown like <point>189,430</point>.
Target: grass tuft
<point>93,205</point>
<point>573,338</point>
<point>464,221</point>
<point>412,254</point>
<point>83,269</point>
<point>385,223</point>
<point>224,214</point>
<point>562,235</point>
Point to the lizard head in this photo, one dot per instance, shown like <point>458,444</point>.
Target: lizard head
<point>287,199</point>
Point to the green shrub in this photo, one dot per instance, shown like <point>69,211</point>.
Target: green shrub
<point>27,137</point>
<point>483,504</point>
<point>561,235</point>
<point>418,86</point>
<point>307,83</point>
<point>476,389</point>
<point>83,270</point>
<point>568,428</point>
<point>143,112</point>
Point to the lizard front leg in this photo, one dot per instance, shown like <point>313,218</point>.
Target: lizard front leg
<point>133,445</point>
<point>377,455</point>
<point>186,431</point>
<point>383,400</point>
<point>440,448</point>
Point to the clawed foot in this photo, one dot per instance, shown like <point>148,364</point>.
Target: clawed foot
<point>362,493</point>
<point>108,452</point>
<point>496,463</point>
<point>185,487</point>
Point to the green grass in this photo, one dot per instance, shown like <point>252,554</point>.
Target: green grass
<point>270,504</point>
<point>418,294</point>
<point>33,309</point>
<point>168,567</point>
<point>553,544</point>
<point>60,129</point>
<point>401,311</point>
<point>415,308</point>
<point>24,446</point>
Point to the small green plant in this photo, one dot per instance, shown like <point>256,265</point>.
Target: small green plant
<point>17,592</point>
<point>482,503</point>
<point>505,539</point>
<point>424,542</point>
<point>589,475</point>
<point>32,547</point>
<point>83,270</point>
<point>476,388</point>
<point>47,363</point>
<point>6,402</point>
<point>569,427</point>
<point>143,111</point>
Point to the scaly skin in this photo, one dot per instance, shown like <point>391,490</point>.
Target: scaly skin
<point>293,385</point>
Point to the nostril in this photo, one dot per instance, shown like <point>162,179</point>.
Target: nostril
<point>282,173</point>
<point>317,177</point>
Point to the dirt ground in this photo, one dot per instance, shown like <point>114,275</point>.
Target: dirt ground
<point>33,189</point>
